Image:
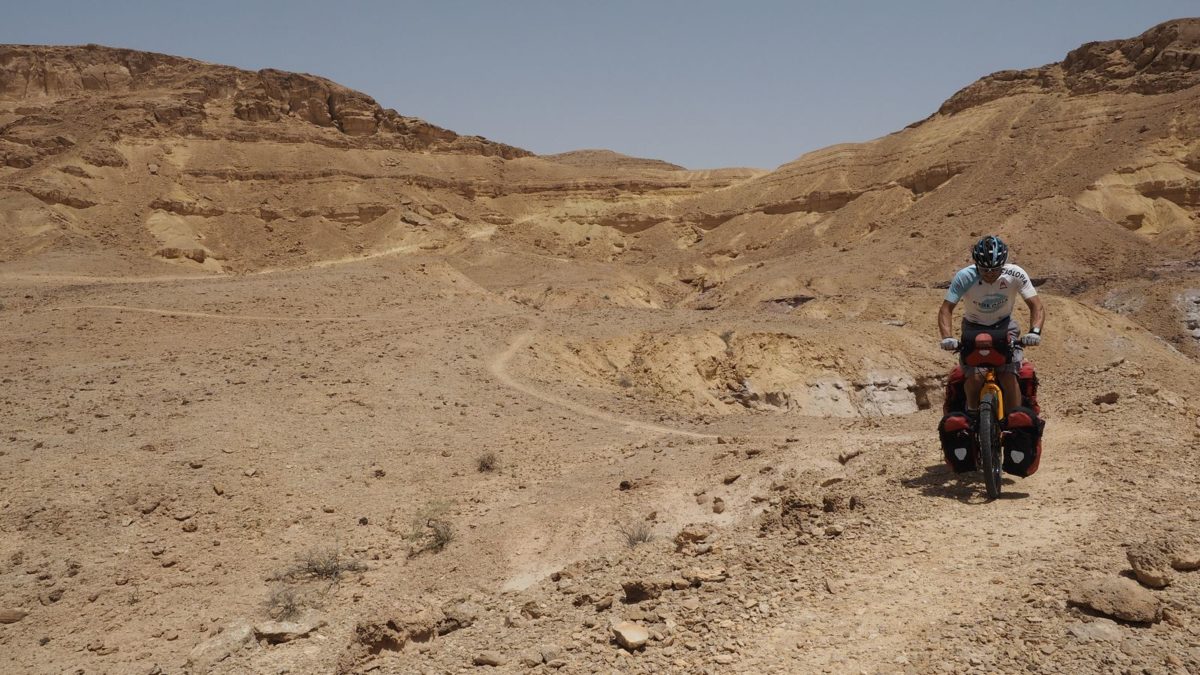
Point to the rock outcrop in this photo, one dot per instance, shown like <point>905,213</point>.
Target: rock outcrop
<point>1164,59</point>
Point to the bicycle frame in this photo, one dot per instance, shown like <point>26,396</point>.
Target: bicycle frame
<point>990,385</point>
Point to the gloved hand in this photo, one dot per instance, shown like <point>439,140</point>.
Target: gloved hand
<point>949,344</point>
<point>1031,340</point>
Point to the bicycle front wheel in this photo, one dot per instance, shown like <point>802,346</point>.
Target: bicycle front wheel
<point>989,445</point>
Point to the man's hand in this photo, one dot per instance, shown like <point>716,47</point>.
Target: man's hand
<point>1031,340</point>
<point>949,344</point>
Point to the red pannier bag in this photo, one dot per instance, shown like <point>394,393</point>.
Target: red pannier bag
<point>958,442</point>
<point>1022,441</point>
<point>956,393</point>
<point>1029,385</point>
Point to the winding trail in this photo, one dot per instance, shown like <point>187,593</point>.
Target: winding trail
<point>499,368</point>
<point>229,317</point>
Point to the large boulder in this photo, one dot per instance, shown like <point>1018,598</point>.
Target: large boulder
<point>1119,598</point>
<point>1150,564</point>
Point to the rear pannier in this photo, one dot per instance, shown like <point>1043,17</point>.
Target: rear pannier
<point>1022,441</point>
<point>958,442</point>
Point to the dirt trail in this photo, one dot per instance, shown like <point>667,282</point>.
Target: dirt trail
<point>499,368</point>
<point>966,558</point>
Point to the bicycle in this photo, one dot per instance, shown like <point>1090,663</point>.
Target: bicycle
<point>989,435</point>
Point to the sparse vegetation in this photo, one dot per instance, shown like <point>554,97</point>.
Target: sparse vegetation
<point>637,532</point>
<point>284,603</point>
<point>487,462</point>
<point>325,564</point>
<point>431,531</point>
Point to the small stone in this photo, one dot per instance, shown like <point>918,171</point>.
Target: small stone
<point>1110,398</point>
<point>488,659</point>
<point>276,632</point>
<point>327,508</point>
<point>550,652</point>
<point>207,654</point>
<point>718,505</point>
<point>630,635</point>
<point>1186,557</point>
<point>152,168</point>
<point>692,534</point>
<point>12,615</point>
<point>706,576</point>
<point>190,526</point>
<point>218,489</point>
<point>1150,564</point>
<point>638,590</point>
<point>834,530</point>
<point>1098,630</point>
<point>196,464</point>
<point>729,480</point>
<point>250,472</point>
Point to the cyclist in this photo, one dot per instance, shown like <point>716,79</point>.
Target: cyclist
<point>990,287</point>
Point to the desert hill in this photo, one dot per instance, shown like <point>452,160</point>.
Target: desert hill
<point>294,383</point>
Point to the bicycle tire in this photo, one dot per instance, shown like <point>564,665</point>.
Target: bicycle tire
<point>989,445</point>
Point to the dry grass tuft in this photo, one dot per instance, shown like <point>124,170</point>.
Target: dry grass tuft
<point>637,532</point>
<point>326,564</point>
<point>487,462</point>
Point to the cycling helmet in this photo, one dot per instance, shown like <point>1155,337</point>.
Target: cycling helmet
<point>990,253</point>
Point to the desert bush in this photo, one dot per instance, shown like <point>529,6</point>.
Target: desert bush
<point>325,564</point>
<point>635,533</point>
<point>431,531</point>
<point>487,462</point>
<point>284,603</point>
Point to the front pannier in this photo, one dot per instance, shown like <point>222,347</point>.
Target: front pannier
<point>1022,442</point>
<point>958,442</point>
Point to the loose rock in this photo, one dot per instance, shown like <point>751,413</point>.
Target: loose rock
<point>630,635</point>
<point>233,638</point>
<point>1100,630</point>
<point>1150,564</point>
<point>1119,598</point>
<point>276,632</point>
<point>489,659</point>
<point>12,615</point>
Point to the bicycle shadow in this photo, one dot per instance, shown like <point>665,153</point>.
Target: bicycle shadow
<point>939,481</point>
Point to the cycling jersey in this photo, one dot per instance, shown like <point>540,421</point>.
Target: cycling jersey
<point>986,303</point>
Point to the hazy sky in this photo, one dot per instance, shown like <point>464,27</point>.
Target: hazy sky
<point>699,83</point>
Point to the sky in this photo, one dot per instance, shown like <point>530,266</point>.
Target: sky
<point>700,83</point>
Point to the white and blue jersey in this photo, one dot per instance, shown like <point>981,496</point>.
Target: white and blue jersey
<point>986,303</point>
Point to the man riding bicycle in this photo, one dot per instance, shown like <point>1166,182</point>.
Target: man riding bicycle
<point>990,287</point>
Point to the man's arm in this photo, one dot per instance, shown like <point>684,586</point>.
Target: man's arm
<point>945,317</point>
<point>1037,314</point>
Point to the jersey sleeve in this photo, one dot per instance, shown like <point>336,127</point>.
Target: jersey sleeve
<point>958,286</point>
<point>1027,289</point>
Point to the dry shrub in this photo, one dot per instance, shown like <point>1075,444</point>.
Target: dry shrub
<point>487,462</point>
<point>637,532</point>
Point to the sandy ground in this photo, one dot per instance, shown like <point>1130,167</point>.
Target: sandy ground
<point>175,446</point>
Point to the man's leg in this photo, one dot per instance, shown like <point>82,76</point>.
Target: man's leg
<point>971,385</point>
<point>1011,387</point>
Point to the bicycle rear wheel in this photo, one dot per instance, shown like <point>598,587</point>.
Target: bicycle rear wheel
<point>989,445</point>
